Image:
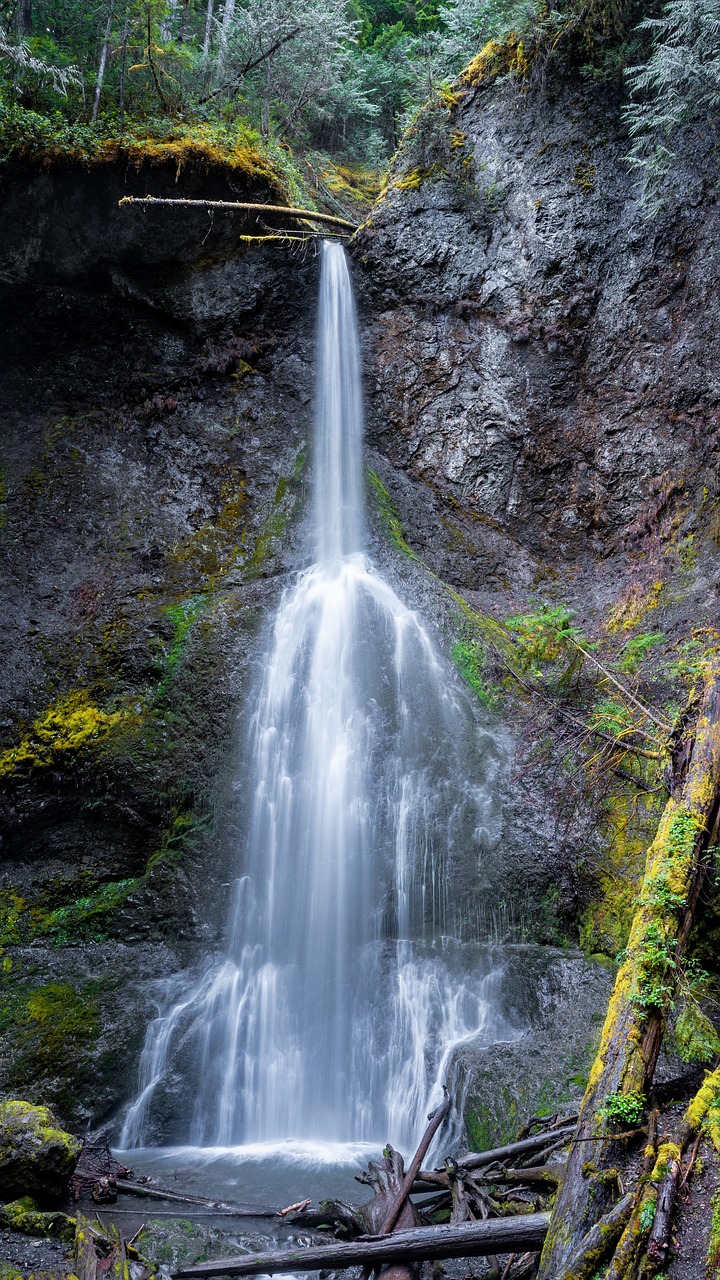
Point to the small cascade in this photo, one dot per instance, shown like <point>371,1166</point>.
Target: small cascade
<point>334,1012</point>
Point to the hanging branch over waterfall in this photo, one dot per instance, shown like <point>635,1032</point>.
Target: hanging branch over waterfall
<point>306,215</point>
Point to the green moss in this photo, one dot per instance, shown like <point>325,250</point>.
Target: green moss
<point>70,725</point>
<point>87,916</point>
<point>24,1216</point>
<point>694,1034</point>
<point>713,1253</point>
<point>414,178</point>
<point>182,616</point>
<point>509,56</point>
<point>275,523</point>
<point>52,138</point>
<point>584,175</point>
<point>629,826</point>
<point>470,659</point>
<point>388,514</point>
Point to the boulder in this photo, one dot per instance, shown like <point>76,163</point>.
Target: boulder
<point>25,1217</point>
<point>36,1156</point>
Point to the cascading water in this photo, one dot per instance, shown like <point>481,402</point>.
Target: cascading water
<point>338,1002</point>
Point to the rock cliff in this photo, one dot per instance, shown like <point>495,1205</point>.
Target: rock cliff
<point>543,410</point>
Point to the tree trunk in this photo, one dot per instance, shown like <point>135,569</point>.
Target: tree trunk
<point>123,63</point>
<point>495,1235</point>
<point>308,214</point>
<point>168,23</point>
<point>225,1207</point>
<point>227,21</point>
<point>645,984</point>
<point>101,68</point>
<point>23,18</point>
<point>208,28</point>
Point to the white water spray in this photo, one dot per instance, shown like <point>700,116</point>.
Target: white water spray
<point>334,1011</point>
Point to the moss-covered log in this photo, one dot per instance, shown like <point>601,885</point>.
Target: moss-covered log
<point>644,988</point>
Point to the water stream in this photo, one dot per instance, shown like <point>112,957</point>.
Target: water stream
<point>347,980</point>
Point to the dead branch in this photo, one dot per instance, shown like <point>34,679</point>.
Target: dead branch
<point>309,214</point>
<point>526,1146</point>
<point>177,1197</point>
<point>436,1118</point>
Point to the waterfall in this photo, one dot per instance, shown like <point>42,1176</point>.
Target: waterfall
<point>373,796</point>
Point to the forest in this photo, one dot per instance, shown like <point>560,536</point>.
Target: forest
<point>345,79</point>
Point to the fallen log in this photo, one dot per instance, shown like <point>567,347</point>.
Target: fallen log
<point>494,1235</point>
<point>675,868</point>
<point>526,1146</point>
<point>227,1208</point>
<point>599,1241</point>
<point>669,1167</point>
<point>309,214</point>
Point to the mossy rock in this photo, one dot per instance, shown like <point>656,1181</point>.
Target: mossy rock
<point>24,1216</point>
<point>175,1242</point>
<point>36,1156</point>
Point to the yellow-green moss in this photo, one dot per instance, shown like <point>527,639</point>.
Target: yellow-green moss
<point>635,602</point>
<point>606,922</point>
<point>706,1096</point>
<point>584,175</point>
<point>713,1253</point>
<point>71,724</point>
<point>387,511</point>
<point>667,1152</point>
<point>497,58</point>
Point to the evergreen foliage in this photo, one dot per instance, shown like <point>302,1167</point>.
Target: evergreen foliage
<point>679,82</point>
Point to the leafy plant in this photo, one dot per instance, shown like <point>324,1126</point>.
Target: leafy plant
<point>647,1214</point>
<point>624,1108</point>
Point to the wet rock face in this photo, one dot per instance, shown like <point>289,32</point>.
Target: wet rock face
<point>537,350</point>
<point>36,1157</point>
<point>154,408</point>
<point>557,1000</point>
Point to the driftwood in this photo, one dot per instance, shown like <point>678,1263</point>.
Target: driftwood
<point>309,214</point>
<point>496,1235</point>
<point>436,1119</point>
<point>645,986</point>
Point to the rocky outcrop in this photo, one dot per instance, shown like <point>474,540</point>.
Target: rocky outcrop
<point>540,352</point>
<point>543,425</point>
